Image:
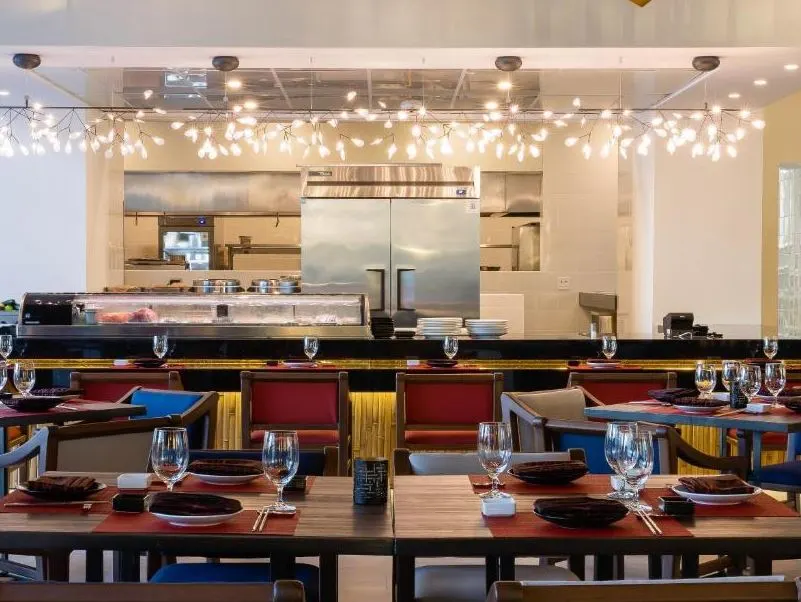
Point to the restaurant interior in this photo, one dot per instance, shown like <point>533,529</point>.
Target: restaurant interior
<point>370,301</point>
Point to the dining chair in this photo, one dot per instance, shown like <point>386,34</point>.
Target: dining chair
<point>443,411</point>
<point>465,582</point>
<point>730,589</point>
<point>606,388</point>
<point>198,411</point>
<point>317,406</point>
<point>785,476</point>
<point>112,386</point>
<point>278,591</point>
<point>317,463</point>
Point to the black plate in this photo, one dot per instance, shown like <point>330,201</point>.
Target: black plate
<point>33,403</point>
<point>58,496</point>
<point>580,512</point>
<point>441,363</point>
<point>148,363</point>
<point>552,477</point>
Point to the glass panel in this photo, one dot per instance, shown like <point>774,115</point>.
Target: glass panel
<point>192,246</point>
<point>789,244</point>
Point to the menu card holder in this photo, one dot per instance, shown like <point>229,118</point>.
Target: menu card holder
<point>370,481</point>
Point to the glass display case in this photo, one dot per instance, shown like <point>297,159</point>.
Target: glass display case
<point>239,315</point>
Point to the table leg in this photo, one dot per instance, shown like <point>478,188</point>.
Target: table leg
<point>654,566</point>
<point>724,443</point>
<point>94,566</point>
<point>491,571</point>
<point>507,569</point>
<point>744,444</point>
<point>756,462</point>
<point>604,567</point>
<point>761,566</point>
<point>404,576</point>
<point>282,567</point>
<point>329,568</point>
<point>578,566</point>
<point>689,566</point>
<point>3,472</point>
<point>126,566</point>
<point>57,565</point>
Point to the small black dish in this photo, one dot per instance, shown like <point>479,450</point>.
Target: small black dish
<point>128,502</point>
<point>61,496</point>
<point>675,505</point>
<point>441,363</point>
<point>146,362</point>
<point>580,512</point>
<point>32,403</point>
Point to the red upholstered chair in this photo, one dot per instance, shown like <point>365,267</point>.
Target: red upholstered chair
<point>317,406</point>
<point>607,388</point>
<point>442,411</point>
<point>113,386</point>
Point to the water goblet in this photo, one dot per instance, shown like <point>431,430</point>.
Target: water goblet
<point>24,377</point>
<point>616,433</point>
<point>310,347</point>
<point>160,345</point>
<point>637,464</point>
<point>775,380</point>
<point>450,345</point>
<point>6,345</point>
<point>280,457</point>
<point>609,345</point>
<point>729,373</point>
<point>169,454</point>
<point>705,379</point>
<point>750,380</point>
<point>494,453</point>
<point>770,347</point>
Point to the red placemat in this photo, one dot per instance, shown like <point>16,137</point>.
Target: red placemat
<point>20,496</point>
<point>528,524</point>
<point>120,522</point>
<point>191,484</point>
<point>761,506</point>
<point>588,484</point>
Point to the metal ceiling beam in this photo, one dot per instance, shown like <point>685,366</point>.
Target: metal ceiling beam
<point>458,87</point>
<point>280,86</point>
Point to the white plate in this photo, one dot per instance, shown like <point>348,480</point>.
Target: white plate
<point>603,364</point>
<point>486,322</point>
<point>709,499</point>
<point>195,521</point>
<point>299,364</point>
<point>217,479</point>
<point>698,409</point>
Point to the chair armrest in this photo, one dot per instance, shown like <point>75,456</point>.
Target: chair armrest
<point>590,400</point>
<point>581,427</point>
<point>204,408</point>
<point>331,462</point>
<point>128,396</point>
<point>506,591</point>
<point>737,465</point>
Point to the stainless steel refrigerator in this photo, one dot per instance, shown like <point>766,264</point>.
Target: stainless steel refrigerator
<point>405,235</point>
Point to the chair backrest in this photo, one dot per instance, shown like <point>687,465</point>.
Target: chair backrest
<point>116,446</point>
<point>455,463</point>
<point>278,591</point>
<point>730,589</point>
<point>34,447</point>
<point>112,386</point>
<point>446,401</point>
<point>198,411</point>
<point>300,401</point>
<point>610,388</point>
<point>312,462</point>
<point>520,410</point>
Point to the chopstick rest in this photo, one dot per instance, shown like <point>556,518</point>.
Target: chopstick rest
<point>501,506</point>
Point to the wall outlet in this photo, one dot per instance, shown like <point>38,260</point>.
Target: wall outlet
<point>563,284</point>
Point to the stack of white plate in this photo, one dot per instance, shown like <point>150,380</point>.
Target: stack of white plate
<point>439,327</point>
<point>486,329</point>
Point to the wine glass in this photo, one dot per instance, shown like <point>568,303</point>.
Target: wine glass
<point>729,373</point>
<point>750,380</point>
<point>160,345</point>
<point>616,433</point>
<point>280,457</point>
<point>494,453</point>
<point>637,463</point>
<point>3,375</point>
<point>310,347</point>
<point>24,377</point>
<point>450,345</point>
<point>6,345</point>
<point>770,347</point>
<point>609,345</point>
<point>775,380</point>
<point>705,379</point>
<point>169,454</point>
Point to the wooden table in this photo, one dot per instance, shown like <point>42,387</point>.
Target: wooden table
<point>440,516</point>
<point>753,425</point>
<point>329,525</point>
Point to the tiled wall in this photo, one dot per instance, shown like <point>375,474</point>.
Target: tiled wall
<point>789,250</point>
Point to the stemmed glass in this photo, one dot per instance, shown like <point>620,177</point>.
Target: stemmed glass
<point>770,347</point>
<point>494,453</point>
<point>450,345</point>
<point>24,377</point>
<point>637,463</point>
<point>750,380</point>
<point>609,345</point>
<point>310,347</point>
<point>169,454</point>
<point>160,345</point>
<point>705,379</point>
<point>616,434</point>
<point>729,373</point>
<point>775,380</point>
<point>6,345</point>
<point>280,457</point>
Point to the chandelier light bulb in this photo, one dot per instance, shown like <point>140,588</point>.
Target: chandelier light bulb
<point>586,150</point>
<point>417,131</point>
<point>534,150</point>
<point>388,124</point>
<point>177,125</point>
<point>403,115</point>
<point>605,151</point>
<point>504,85</point>
<point>351,96</point>
<point>382,104</point>
<point>731,150</point>
<point>514,109</point>
<point>234,84</point>
<point>606,114</point>
<point>411,151</point>
<point>499,150</point>
<point>547,114</point>
<point>560,124</point>
<point>577,102</point>
<point>158,140</point>
<point>147,94</point>
<point>491,105</point>
<point>445,146</point>
<point>392,150</point>
<point>158,110</point>
<point>571,141</point>
<point>758,124</point>
<point>357,142</point>
<point>250,105</point>
<point>422,111</point>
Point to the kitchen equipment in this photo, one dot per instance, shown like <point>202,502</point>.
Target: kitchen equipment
<point>526,238</point>
<point>677,324</point>
<point>407,236</point>
<point>190,236</point>
<point>264,286</point>
<point>216,285</point>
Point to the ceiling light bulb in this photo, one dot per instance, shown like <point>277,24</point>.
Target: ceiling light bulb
<point>760,82</point>
<point>571,141</point>
<point>392,150</point>
<point>734,95</point>
<point>4,92</point>
<point>351,95</point>
<point>577,102</point>
<point>504,85</point>
<point>357,142</point>
<point>234,84</point>
<point>547,114</point>
<point>716,110</point>
<point>147,94</point>
<point>417,131</point>
<point>491,105</point>
<point>606,114</point>
<point>177,125</point>
<point>158,140</point>
<point>586,150</point>
<point>422,111</point>
<point>250,105</point>
<point>411,151</point>
<point>758,124</point>
<point>791,67</point>
<point>403,115</point>
<point>159,110</point>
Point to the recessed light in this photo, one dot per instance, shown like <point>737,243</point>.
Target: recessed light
<point>760,82</point>
<point>734,95</point>
<point>4,92</point>
<point>791,67</point>
<point>504,85</point>
<point>234,84</point>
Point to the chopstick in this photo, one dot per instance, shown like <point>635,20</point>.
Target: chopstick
<point>649,522</point>
<point>729,413</point>
<point>76,503</point>
<point>261,520</point>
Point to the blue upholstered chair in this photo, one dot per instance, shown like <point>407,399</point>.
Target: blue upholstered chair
<point>319,463</point>
<point>785,476</point>
<point>198,411</point>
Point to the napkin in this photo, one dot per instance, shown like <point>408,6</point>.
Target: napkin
<point>670,395</point>
<point>226,467</point>
<point>726,484</point>
<point>193,504</point>
<point>65,485</point>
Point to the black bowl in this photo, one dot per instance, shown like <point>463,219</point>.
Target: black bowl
<point>441,363</point>
<point>61,496</point>
<point>549,473</point>
<point>580,512</point>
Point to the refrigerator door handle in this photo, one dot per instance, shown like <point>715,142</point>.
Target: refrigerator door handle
<point>381,287</point>
<point>406,289</point>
